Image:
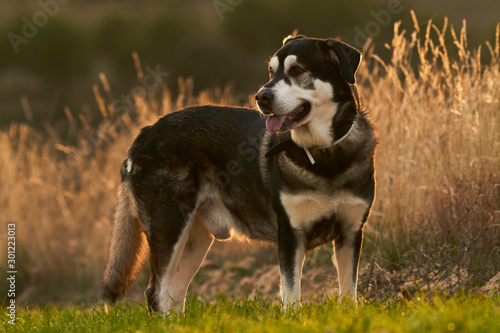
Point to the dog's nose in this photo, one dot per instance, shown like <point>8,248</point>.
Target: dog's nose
<point>264,97</point>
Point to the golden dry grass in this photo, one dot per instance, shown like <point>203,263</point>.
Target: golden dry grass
<point>436,216</point>
<point>437,108</point>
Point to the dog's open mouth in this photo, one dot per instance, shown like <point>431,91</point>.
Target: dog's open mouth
<point>286,122</point>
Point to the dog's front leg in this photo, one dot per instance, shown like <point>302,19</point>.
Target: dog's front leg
<point>291,245</point>
<point>291,259</point>
<point>346,259</point>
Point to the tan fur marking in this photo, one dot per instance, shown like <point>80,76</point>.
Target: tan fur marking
<point>306,208</point>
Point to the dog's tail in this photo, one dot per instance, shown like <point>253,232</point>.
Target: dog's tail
<point>128,247</point>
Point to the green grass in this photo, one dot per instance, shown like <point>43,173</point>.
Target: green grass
<point>462,313</point>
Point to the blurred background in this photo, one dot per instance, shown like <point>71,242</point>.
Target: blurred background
<point>52,51</point>
<point>78,79</point>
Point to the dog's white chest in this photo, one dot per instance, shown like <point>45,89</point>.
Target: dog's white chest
<point>306,208</point>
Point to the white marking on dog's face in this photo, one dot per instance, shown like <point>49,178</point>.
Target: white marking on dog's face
<point>289,62</point>
<point>315,130</point>
<point>274,64</point>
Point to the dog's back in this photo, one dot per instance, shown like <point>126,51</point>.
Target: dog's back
<point>203,159</point>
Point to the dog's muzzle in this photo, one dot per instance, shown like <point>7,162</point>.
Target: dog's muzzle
<point>280,122</point>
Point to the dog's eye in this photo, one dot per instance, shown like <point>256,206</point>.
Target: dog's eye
<point>270,71</point>
<point>296,70</point>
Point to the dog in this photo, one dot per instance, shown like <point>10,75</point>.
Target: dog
<point>298,174</point>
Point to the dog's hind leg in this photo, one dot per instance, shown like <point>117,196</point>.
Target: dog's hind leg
<point>150,292</point>
<point>191,251</point>
<point>178,245</point>
<point>167,233</point>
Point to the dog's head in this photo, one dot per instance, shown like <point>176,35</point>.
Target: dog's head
<point>309,79</point>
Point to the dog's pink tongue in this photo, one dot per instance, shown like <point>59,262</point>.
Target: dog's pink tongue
<point>274,123</point>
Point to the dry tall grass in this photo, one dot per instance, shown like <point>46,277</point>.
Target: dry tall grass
<point>437,108</point>
<point>436,218</point>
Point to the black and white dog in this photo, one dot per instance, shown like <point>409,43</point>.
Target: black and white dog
<point>299,177</point>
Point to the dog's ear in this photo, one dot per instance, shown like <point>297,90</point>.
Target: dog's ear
<point>346,56</point>
<point>293,36</point>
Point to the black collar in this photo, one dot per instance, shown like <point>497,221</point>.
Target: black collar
<point>281,147</point>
